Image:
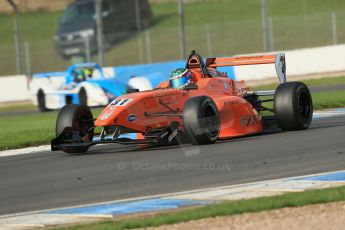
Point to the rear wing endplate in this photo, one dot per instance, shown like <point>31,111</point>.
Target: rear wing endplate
<point>277,59</point>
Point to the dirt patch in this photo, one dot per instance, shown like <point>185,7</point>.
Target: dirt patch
<point>15,103</point>
<point>321,216</point>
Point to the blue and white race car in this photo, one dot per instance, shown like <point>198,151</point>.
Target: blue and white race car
<point>85,83</point>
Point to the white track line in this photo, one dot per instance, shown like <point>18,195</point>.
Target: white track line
<point>23,151</point>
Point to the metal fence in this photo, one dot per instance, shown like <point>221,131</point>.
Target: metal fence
<point>217,39</point>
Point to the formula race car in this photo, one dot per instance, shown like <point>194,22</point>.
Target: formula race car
<point>198,104</point>
<point>84,83</point>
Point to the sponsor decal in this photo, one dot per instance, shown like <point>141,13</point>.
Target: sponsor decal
<point>249,58</point>
<point>131,117</point>
<point>248,120</point>
<point>232,102</point>
<point>106,115</point>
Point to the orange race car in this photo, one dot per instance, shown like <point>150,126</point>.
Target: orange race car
<point>198,102</point>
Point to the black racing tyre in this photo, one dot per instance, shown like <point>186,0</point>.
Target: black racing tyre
<point>82,96</point>
<point>79,118</point>
<point>293,106</point>
<point>41,101</point>
<point>201,120</point>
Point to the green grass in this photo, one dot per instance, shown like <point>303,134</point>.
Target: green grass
<point>325,100</point>
<point>34,26</point>
<point>224,209</point>
<point>18,107</point>
<point>28,130</point>
<point>310,82</point>
<point>235,27</point>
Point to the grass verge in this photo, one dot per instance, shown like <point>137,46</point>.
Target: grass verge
<point>310,83</point>
<point>224,209</point>
<point>17,107</point>
<point>28,130</point>
<point>324,100</point>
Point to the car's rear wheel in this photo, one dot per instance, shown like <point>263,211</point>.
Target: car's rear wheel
<point>80,120</point>
<point>293,106</point>
<point>82,96</point>
<point>201,120</point>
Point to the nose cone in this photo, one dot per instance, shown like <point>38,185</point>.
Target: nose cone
<point>108,115</point>
<point>133,110</point>
<point>125,112</point>
<point>115,109</point>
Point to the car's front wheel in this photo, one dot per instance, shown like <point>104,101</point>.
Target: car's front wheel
<point>201,120</point>
<point>80,121</point>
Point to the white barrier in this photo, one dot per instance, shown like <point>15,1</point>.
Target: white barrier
<point>14,88</point>
<point>300,62</point>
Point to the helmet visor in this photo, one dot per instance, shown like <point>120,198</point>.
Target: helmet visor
<point>179,82</point>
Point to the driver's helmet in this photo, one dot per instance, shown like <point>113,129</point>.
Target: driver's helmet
<point>180,78</point>
<point>78,75</point>
<point>88,73</point>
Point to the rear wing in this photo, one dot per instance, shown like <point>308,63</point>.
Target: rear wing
<point>277,59</point>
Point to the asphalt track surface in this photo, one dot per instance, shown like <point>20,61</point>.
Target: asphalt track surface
<point>55,179</point>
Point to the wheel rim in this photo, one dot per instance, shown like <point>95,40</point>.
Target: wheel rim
<point>83,126</point>
<point>304,107</point>
<point>211,121</point>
